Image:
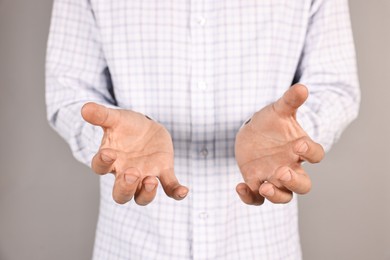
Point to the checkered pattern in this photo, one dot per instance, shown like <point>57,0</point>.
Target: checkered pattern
<point>201,68</point>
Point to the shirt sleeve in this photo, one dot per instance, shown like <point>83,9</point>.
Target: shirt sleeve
<point>328,68</point>
<point>76,73</point>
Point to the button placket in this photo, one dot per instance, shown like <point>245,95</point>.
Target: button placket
<point>202,117</point>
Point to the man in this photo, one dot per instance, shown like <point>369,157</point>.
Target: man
<point>200,91</point>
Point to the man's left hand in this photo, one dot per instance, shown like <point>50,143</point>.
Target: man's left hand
<point>270,149</point>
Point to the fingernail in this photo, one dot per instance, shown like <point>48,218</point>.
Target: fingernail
<point>183,194</point>
<point>303,148</point>
<point>286,176</point>
<point>106,158</point>
<point>270,192</point>
<point>130,179</point>
<point>150,187</point>
<point>243,192</point>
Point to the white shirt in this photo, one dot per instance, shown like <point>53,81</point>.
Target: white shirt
<point>201,68</point>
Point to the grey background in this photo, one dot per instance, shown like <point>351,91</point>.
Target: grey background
<point>49,202</point>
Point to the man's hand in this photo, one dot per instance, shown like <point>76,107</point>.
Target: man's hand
<point>269,151</point>
<point>137,150</point>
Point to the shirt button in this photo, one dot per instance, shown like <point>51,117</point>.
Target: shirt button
<point>201,20</point>
<point>204,152</point>
<point>202,85</point>
<point>203,215</point>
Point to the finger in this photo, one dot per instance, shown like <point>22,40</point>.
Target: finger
<point>274,194</point>
<point>147,192</point>
<point>125,185</point>
<point>298,182</point>
<point>103,161</point>
<point>291,100</point>
<point>99,115</point>
<point>309,150</point>
<point>171,185</point>
<point>249,196</point>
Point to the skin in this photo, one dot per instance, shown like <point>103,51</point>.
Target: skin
<point>137,150</point>
<point>269,151</point>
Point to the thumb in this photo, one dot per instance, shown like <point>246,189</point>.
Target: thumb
<point>171,185</point>
<point>99,115</point>
<point>291,100</point>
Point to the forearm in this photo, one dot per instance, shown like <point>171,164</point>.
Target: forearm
<point>76,73</point>
<point>328,68</point>
<point>65,118</point>
<point>327,113</point>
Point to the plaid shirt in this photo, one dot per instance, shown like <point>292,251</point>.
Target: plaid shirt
<point>201,68</point>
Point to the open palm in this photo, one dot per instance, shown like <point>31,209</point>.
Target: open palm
<point>137,150</point>
<point>269,151</point>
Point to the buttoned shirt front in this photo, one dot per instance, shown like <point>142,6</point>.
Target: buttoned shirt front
<point>200,68</point>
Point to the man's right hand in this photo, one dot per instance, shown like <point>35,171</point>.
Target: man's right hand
<point>137,151</point>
